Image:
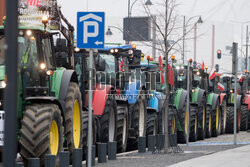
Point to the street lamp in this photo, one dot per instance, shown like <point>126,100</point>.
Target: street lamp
<point>109,32</point>
<point>184,34</point>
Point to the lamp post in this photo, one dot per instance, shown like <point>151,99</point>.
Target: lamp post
<point>130,7</point>
<point>184,34</point>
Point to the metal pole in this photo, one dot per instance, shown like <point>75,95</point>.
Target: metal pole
<point>10,96</point>
<point>213,41</point>
<point>195,40</point>
<point>184,36</point>
<point>91,62</point>
<point>247,40</point>
<point>188,78</point>
<point>129,14</point>
<point>235,69</point>
<point>154,39</point>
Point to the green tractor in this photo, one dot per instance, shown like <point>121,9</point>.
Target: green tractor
<point>179,102</point>
<point>228,82</point>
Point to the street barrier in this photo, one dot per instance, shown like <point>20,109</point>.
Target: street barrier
<point>151,142</point>
<point>33,162</point>
<point>102,152</point>
<point>50,161</point>
<point>77,157</point>
<point>142,144</point>
<point>64,159</point>
<point>112,149</point>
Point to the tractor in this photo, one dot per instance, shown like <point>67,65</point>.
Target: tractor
<point>179,103</point>
<point>50,113</point>
<point>227,80</point>
<point>130,93</point>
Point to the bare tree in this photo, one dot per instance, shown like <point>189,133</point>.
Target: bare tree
<point>166,25</point>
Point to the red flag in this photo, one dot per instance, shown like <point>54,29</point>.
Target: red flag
<point>122,66</point>
<point>170,75</point>
<point>203,66</point>
<point>221,86</point>
<point>212,74</point>
<point>160,69</point>
<point>241,78</point>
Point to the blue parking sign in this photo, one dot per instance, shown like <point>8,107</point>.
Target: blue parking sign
<point>90,30</point>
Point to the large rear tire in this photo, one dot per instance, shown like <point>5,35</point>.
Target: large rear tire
<point>202,120</point>
<point>216,121</point>
<point>108,121</point>
<point>41,132</point>
<point>152,124</point>
<point>73,118</point>
<point>209,122</point>
<point>182,134</point>
<point>244,118</point>
<point>172,121</point>
<point>230,120</point>
<point>223,116</point>
<point>122,127</point>
<point>138,123</point>
<point>193,134</point>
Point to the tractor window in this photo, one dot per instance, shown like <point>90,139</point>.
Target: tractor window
<point>110,62</point>
<point>2,50</point>
<point>47,51</point>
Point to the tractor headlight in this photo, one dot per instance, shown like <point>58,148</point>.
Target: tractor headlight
<point>232,91</point>
<point>3,84</point>
<point>42,66</point>
<point>193,90</point>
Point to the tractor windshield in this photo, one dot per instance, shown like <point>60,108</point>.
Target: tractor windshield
<point>109,61</point>
<point>2,50</point>
<point>181,78</point>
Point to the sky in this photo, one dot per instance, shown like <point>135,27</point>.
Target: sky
<point>227,16</point>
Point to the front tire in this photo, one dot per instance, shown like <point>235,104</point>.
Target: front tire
<point>223,116</point>
<point>193,133</point>
<point>230,120</point>
<point>41,132</point>
<point>122,127</point>
<point>202,120</point>
<point>209,122</point>
<point>216,121</point>
<point>73,118</point>
<point>244,118</point>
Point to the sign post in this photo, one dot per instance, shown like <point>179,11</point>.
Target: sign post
<point>90,35</point>
<point>234,71</point>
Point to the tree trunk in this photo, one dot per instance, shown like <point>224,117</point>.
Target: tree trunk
<point>167,81</point>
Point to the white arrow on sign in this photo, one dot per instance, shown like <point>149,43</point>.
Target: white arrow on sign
<point>98,43</point>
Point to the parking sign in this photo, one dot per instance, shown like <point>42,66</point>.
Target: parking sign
<point>90,30</point>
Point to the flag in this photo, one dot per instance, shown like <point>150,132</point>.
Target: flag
<point>221,86</point>
<point>241,78</point>
<point>170,75</point>
<point>160,69</point>
<point>122,66</point>
<point>203,66</point>
<point>212,75</point>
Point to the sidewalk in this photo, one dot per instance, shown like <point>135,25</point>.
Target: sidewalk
<point>229,158</point>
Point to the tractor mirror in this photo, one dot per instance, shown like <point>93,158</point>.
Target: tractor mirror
<point>100,63</point>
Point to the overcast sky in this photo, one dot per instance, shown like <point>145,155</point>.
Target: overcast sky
<point>222,13</point>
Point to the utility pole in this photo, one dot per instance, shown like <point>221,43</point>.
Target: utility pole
<point>183,42</point>
<point>195,40</point>
<point>154,39</point>
<point>213,41</point>
<point>247,40</point>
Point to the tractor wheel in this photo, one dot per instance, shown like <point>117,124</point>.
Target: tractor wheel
<point>223,117</point>
<point>108,124</point>
<point>172,121</point>
<point>202,120</point>
<point>73,118</point>
<point>181,135</point>
<point>193,134</point>
<point>152,124</point>
<point>244,118</point>
<point>85,119</point>
<point>41,132</point>
<point>122,127</point>
<point>209,122</point>
<point>216,121</point>
<point>230,120</point>
<point>138,123</point>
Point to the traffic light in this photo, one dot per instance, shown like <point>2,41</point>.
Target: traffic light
<point>219,54</point>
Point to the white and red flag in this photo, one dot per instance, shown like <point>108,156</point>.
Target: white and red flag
<point>212,75</point>
<point>241,78</point>
<point>221,86</point>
